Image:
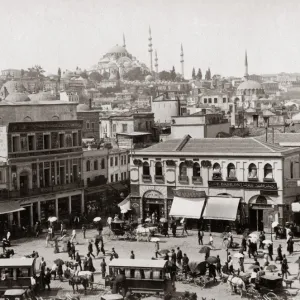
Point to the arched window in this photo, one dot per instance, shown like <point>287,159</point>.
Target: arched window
<point>182,169</point>
<point>231,174</point>
<point>268,172</point>
<point>102,163</point>
<point>217,174</point>
<point>252,171</point>
<point>158,169</point>
<point>196,170</point>
<point>88,166</point>
<point>292,170</point>
<point>96,164</point>
<point>146,169</point>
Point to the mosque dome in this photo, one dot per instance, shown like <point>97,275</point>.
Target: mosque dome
<point>67,75</point>
<point>118,50</point>
<point>127,64</point>
<point>148,78</point>
<point>82,107</point>
<point>42,96</point>
<point>12,86</point>
<point>249,85</point>
<point>17,97</point>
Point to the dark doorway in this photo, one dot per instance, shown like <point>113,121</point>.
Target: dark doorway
<point>155,208</point>
<point>256,219</point>
<point>24,185</point>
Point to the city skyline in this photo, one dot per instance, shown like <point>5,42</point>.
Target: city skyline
<point>72,33</point>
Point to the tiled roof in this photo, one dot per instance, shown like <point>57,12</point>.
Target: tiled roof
<point>280,138</point>
<point>215,146</point>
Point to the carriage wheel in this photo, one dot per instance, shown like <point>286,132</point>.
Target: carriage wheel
<point>252,293</point>
<point>202,282</point>
<point>271,296</point>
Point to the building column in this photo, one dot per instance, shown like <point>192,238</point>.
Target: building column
<point>70,204</point>
<point>166,208</point>
<point>55,172</point>
<point>69,169</point>
<point>82,202</point>
<point>31,215</point>
<point>19,219</point>
<point>39,210</point>
<point>56,207</point>
<point>38,173</point>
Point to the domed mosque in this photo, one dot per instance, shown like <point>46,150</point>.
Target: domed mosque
<point>249,91</point>
<point>118,59</point>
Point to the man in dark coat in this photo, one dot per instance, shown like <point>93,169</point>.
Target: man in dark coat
<point>103,268</point>
<point>185,264</point>
<point>174,228</point>
<point>90,264</point>
<point>173,257</point>
<point>90,250</point>
<point>179,256</point>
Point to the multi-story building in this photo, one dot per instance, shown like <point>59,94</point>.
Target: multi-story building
<point>216,179</point>
<point>118,165</point>
<point>143,101</point>
<point>218,99</point>
<point>11,72</point>
<point>42,152</point>
<point>270,87</point>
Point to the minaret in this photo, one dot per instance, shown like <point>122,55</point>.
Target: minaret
<point>124,43</point>
<point>182,62</point>
<point>150,50</point>
<point>246,76</point>
<point>156,62</point>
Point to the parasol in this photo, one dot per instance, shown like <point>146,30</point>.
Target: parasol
<point>253,236</point>
<point>155,239</point>
<point>52,219</point>
<point>205,249</point>
<point>163,220</point>
<point>238,255</point>
<point>59,262</point>
<point>271,268</point>
<point>275,224</point>
<point>267,242</point>
<point>97,219</point>
<point>124,211</point>
<point>212,260</point>
<point>254,267</point>
<point>164,251</point>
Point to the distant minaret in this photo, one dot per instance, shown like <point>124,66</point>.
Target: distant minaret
<point>124,43</point>
<point>246,66</point>
<point>156,62</point>
<point>150,50</point>
<point>182,62</point>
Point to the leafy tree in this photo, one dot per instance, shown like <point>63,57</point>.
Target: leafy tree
<point>135,74</point>
<point>173,74</point>
<point>193,74</point>
<point>22,72</point>
<point>208,74</point>
<point>59,73</point>
<point>106,75</point>
<point>199,74</point>
<point>36,71</point>
<point>165,76</point>
<point>95,76</point>
<point>84,74</point>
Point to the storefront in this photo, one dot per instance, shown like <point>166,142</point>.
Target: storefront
<point>153,203</point>
<point>63,208</point>
<point>47,210</point>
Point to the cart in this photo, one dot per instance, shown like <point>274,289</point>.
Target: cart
<point>17,294</point>
<point>122,229</point>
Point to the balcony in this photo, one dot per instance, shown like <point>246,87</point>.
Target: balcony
<point>269,180</point>
<point>252,179</point>
<point>217,176</point>
<point>44,190</point>
<point>231,179</point>
<point>197,180</point>
<point>159,178</point>
<point>147,178</point>
<point>183,179</point>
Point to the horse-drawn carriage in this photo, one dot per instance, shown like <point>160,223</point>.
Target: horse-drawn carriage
<point>120,228</point>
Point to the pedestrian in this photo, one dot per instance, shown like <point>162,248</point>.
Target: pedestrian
<point>270,251</point>
<point>103,268</point>
<point>61,229</point>
<point>266,260</point>
<point>179,256</point>
<point>132,255</point>
<point>37,229</point>
<point>173,257</point>
<point>207,253</point>
<point>85,264</point>
<point>174,228</point>
<point>60,272</point>
<point>284,267</point>
<point>43,265</point>
<point>185,265</point>
<point>54,270</point>
<point>73,236</point>
<point>56,248</point>
<point>90,264</point>
<point>212,271</point>
<point>184,227</point>
<point>250,248</point>
<point>241,264</point>
<point>166,229</point>
<point>78,260</point>
<point>109,220</point>
<point>256,263</point>
<point>244,244</point>
<point>261,239</point>
<point>290,244</point>
<point>230,265</point>
<point>200,237</point>
<point>211,240</point>
<point>102,246</point>
<point>83,228</point>
<point>97,241</point>
<point>156,245</point>
<point>73,251</point>
<point>279,254</point>
<point>90,250</point>
<point>42,279</point>
<point>218,267</point>
<point>114,253</point>
<point>47,238</point>
<point>47,279</point>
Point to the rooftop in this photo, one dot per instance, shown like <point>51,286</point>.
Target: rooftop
<point>282,139</point>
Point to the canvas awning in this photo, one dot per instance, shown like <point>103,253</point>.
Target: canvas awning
<point>221,208</point>
<point>190,208</point>
<point>9,207</point>
<point>125,204</point>
<point>296,207</point>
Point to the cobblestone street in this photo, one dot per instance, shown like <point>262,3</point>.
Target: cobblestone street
<point>189,245</point>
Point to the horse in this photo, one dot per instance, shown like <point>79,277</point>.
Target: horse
<point>236,284</point>
<point>143,232</point>
<point>77,280</point>
<point>69,273</point>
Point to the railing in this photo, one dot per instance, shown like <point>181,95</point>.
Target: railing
<point>183,179</point>
<point>217,176</point>
<point>159,178</point>
<point>231,179</point>
<point>197,179</point>
<point>147,178</point>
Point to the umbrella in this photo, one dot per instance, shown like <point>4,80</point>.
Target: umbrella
<point>238,255</point>
<point>212,260</point>
<point>163,220</point>
<point>52,219</point>
<point>205,249</point>
<point>124,211</point>
<point>267,242</point>
<point>164,251</point>
<point>148,220</point>
<point>271,268</point>
<point>59,262</point>
<point>254,267</point>
<point>275,224</point>
<point>253,236</point>
<point>97,219</point>
<point>155,239</point>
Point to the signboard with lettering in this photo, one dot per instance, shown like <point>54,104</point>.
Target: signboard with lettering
<point>272,186</point>
<point>189,193</point>
<point>153,194</point>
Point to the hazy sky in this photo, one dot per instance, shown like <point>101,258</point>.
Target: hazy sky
<point>214,33</point>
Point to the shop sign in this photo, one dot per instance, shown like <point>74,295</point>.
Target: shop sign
<point>261,206</point>
<point>135,205</point>
<point>153,201</point>
<point>244,185</point>
<point>188,193</point>
<point>269,193</point>
<point>153,195</point>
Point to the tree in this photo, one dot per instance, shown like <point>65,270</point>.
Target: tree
<point>95,76</point>
<point>164,75</point>
<point>22,73</point>
<point>84,74</point>
<point>208,74</point>
<point>59,73</point>
<point>173,74</point>
<point>199,74</point>
<point>135,74</point>
<point>193,74</point>
<point>36,71</point>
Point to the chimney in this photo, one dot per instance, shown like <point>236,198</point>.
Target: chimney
<point>255,120</point>
<point>90,103</point>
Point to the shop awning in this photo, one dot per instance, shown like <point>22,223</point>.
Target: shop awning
<point>296,207</point>
<point>221,208</point>
<point>125,204</point>
<point>9,207</point>
<point>190,208</point>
